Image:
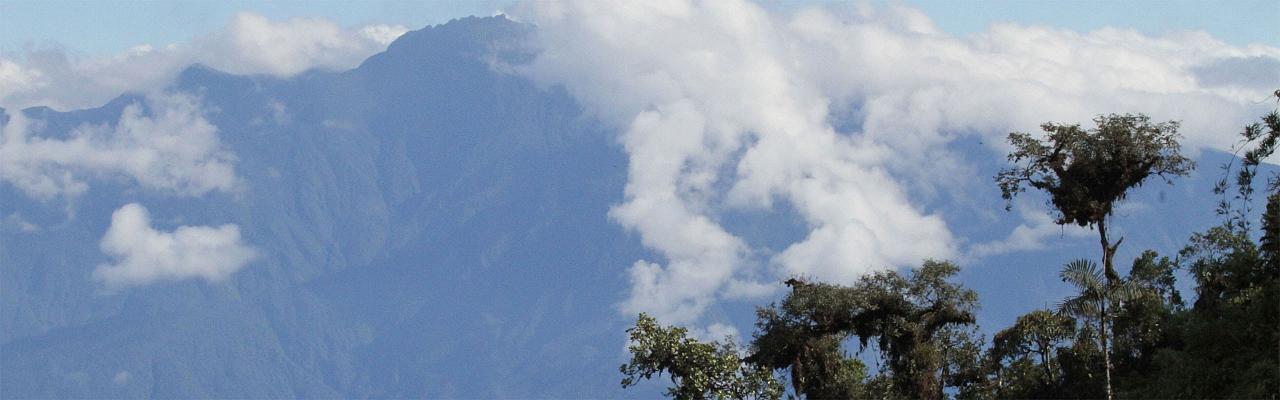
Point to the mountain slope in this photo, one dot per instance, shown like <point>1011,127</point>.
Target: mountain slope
<point>428,227</point>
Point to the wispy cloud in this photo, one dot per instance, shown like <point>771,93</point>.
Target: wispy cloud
<point>1037,229</point>
<point>843,114</point>
<point>249,44</point>
<point>163,144</point>
<point>146,255</point>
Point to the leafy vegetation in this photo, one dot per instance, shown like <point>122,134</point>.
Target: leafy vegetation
<point>697,370</point>
<point>1131,336</point>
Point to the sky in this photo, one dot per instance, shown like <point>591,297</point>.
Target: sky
<point>842,114</point>
<point>79,25</point>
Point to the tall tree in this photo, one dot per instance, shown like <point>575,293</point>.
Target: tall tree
<point>1085,172</point>
<point>1091,304</point>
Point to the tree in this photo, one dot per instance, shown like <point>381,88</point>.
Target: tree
<point>1095,302</point>
<point>803,335</point>
<point>963,366</point>
<point>1228,343</point>
<point>908,317</point>
<point>1264,142</point>
<point>1270,243</point>
<point>1026,355</point>
<point>1085,172</point>
<point>698,370</point>
<point>1233,330</point>
<point>1146,323</point>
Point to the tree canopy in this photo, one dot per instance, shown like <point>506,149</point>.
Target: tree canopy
<point>1086,171</point>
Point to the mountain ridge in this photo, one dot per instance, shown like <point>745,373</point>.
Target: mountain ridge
<point>428,226</point>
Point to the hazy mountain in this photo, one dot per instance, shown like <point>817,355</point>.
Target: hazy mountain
<point>427,225</point>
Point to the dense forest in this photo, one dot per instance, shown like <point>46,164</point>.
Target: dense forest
<point>1131,336</point>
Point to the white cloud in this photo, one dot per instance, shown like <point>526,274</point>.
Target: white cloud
<point>253,44</point>
<point>717,332</point>
<point>249,44</point>
<point>725,106</point>
<point>166,146</point>
<point>1031,235</point>
<point>382,34</point>
<point>145,255</point>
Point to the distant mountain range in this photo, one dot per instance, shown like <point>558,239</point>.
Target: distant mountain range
<point>426,226</point>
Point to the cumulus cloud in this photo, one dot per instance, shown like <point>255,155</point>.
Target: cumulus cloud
<point>144,255</point>
<point>249,44</point>
<point>166,146</point>
<point>845,115</point>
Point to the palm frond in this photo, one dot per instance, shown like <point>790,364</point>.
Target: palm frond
<point>1084,275</point>
<point>1127,291</point>
<point>1082,306</point>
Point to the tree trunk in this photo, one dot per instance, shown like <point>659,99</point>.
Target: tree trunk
<point>797,370</point>
<point>1044,361</point>
<point>796,376</point>
<point>1106,353</point>
<point>1108,254</point>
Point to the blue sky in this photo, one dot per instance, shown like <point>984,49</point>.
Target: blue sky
<point>698,154</point>
<point>98,27</point>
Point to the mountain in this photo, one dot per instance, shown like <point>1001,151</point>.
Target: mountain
<point>427,225</point>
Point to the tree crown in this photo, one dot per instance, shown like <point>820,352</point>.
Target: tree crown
<point>1086,171</point>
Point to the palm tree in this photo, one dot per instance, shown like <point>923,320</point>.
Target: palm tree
<point>1098,297</point>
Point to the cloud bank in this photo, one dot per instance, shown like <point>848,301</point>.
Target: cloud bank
<point>250,44</point>
<point>144,255</point>
<point>166,146</point>
<point>844,116</point>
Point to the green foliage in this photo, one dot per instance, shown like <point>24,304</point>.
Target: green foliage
<point>1046,354</point>
<point>908,323</point>
<point>698,370</point>
<point>1228,343</point>
<point>1232,334</point>
<point>1145,323</point>
<point>908,317</point>
<point>1264,136</point>
<point>1024,362</point>
<point>803,335</point>
<point>1086,172</point>
<point>1034,339</point>
<point>1096,297</point>
<point>961,348</point>
<point>1270,244</point>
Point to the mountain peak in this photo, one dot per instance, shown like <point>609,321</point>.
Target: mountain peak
<point>473,38</point>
